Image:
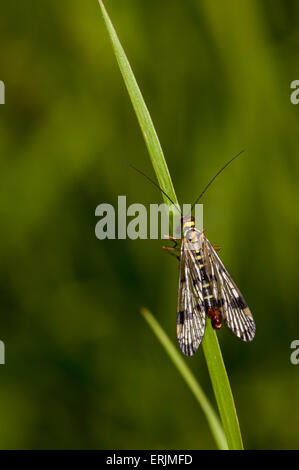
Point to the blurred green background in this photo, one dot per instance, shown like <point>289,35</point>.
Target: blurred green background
<point>83,369</point>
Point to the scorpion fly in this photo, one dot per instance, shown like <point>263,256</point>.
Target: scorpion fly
<point>206,290</point>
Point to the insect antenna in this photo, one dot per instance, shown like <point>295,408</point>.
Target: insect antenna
<point>155,184</point>
<point>209,184</point>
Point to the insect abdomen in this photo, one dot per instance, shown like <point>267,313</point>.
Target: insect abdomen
<point>214,314</point>
<point>212,310</point>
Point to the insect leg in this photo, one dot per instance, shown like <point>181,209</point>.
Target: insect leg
<point>173,239</point>
<point>217,248</point>
<point>172,250</point>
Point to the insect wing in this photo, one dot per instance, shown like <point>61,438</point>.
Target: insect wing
<point>191,317</point>
<point>234,309</point>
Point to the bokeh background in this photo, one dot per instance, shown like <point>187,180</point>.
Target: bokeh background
<point>83,369</point>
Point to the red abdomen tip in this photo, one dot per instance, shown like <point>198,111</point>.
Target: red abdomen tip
<point>216,318</point>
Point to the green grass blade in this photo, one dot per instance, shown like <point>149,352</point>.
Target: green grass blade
<point>190,380</point>
<point>143,116</point>
<point>211,347</point>
<point>221,387</point>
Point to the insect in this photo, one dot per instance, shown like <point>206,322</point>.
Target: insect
<point>206,290</point>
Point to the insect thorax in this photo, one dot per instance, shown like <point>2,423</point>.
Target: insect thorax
<point>192,236</point>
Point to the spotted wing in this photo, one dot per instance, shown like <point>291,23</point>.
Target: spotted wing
<point>234,309</point>
<point>191,316</point>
